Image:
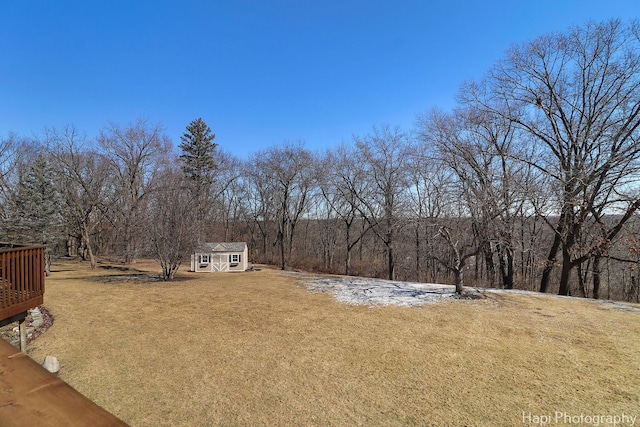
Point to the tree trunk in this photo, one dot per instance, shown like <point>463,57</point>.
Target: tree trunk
<point>347,261</point>
<point>418,255</point>
<point>565,275</point>
<point>85,236</point>
<point>505,255</point>
<point>389,242</point>
<point>488,260</point>
<point>582,286</point>
<point>283,251</point>
<point>169,270</point>
<point>392,263</point>
<point>47,262</point>
<point>551,260</point>
<point>459,277</point>
<point>596,277</point>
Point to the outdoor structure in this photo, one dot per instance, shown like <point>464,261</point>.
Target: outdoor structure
<point>218,257</point>
<point>32,396</point>
<point>21,284</point>
<point>29,394</point>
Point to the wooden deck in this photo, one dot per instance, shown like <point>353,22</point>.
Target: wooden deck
<point>32,396</point>
<point>29,394</point>
<point>21,279</point>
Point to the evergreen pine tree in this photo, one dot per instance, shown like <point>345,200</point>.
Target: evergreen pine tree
<point>198,151</point>
<point>35,215</point>
<point>199,166</point>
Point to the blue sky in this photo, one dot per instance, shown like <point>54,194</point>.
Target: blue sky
<point>259,72</point>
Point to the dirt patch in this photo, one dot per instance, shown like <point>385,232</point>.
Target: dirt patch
<point>134,277</point>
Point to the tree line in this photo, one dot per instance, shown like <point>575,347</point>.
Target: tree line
<point>530,182</point>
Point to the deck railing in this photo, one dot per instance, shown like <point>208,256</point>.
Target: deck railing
<point>21,279</point>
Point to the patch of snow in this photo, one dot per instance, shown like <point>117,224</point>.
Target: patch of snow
<point>372,292</point>
<point>364,291</point>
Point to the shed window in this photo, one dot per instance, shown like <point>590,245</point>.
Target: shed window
<point>234,258</point>
<point>204,259</point>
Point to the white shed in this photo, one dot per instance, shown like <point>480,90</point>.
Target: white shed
<point>217,257</point>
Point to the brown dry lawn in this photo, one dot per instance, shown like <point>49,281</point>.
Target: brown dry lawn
<point>257,348</point>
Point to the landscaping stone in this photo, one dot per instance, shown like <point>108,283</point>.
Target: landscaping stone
<point>51,364</point>
<point>36,317</point>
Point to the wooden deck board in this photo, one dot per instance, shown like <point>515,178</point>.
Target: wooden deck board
<point>31,395</point>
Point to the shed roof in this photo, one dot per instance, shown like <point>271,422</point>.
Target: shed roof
<point>222,247</point>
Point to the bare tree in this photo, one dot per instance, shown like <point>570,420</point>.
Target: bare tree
<point>326,226</point>
<point>343,181</point>
<point>384,158</point>
<point>260,209</point>
<point>136,153</point>
<point>578,96</point>
<point>428,198</point>
<point>172,222</point>
<point>287,176</point>
<point>479,149</point>
<point>84,182</point>
<point>226,194</point>
<point>461,247</point>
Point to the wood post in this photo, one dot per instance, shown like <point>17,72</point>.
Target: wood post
<point>22,326</point>
<point>21,318</point>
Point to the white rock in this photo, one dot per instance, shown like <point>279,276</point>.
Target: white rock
<point>36,318</point>
<point>51,364</point>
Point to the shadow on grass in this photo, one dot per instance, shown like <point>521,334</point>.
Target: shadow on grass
<point>141,277</point>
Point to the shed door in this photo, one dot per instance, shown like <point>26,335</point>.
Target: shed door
<point>220,262</point>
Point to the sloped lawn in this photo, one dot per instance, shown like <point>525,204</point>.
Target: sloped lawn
<point>258,348</point>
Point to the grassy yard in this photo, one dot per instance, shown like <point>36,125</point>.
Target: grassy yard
<point>257,348</point>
